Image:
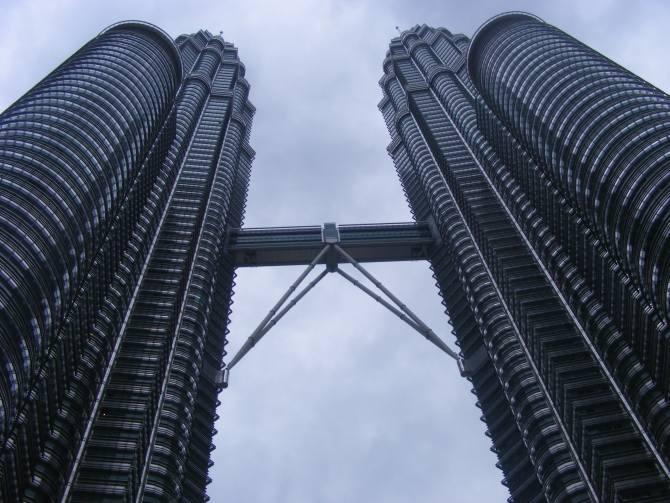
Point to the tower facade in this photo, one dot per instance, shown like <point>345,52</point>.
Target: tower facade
<point>121,173</point>
<point>544,167</point>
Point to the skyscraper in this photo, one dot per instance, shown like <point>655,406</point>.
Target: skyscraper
<point>538,174</point>
<point>121,172</point>
<point>544,166</point>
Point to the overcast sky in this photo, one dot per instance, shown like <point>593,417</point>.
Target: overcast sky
<point>341,402</point>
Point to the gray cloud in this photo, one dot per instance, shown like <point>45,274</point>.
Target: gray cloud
<point>341,401</point>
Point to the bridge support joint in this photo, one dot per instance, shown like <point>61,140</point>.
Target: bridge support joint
<point>333,253</point>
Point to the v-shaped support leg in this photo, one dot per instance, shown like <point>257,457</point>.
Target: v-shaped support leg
<point>270,319</point>
<point>329,251</point>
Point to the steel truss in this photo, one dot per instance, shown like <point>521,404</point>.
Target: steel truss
<point>332,254</point>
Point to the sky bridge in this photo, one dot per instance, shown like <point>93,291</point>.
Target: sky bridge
<point>388,242</point>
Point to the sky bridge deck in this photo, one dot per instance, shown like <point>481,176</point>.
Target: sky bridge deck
<point>388,242</point>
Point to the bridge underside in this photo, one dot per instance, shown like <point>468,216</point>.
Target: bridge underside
<point>272,246</point>
<point>331,244</point>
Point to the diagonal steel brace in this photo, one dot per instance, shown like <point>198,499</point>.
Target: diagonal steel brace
<point>331,248</point>
<point>260,331</point>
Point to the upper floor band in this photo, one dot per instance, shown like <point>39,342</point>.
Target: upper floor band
<point>599,132</point>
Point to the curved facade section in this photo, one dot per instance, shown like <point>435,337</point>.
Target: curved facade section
<point>69,151</point>
<point>599,132</point>
<point>155,32</point>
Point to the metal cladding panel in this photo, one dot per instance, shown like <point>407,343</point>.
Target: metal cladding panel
<point>565,352</point>
<point>76,154</point>
<point>118,188</point>
<point>598,132</point>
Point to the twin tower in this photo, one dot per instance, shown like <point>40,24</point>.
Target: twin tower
<point>537,170</point>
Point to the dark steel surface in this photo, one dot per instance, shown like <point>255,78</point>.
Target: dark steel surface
<point>272,246</point>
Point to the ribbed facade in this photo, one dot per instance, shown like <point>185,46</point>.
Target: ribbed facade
<point>545,169</point>
<point>120,174</point>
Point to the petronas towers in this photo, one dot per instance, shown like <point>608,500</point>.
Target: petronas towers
<point>537,170</point>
